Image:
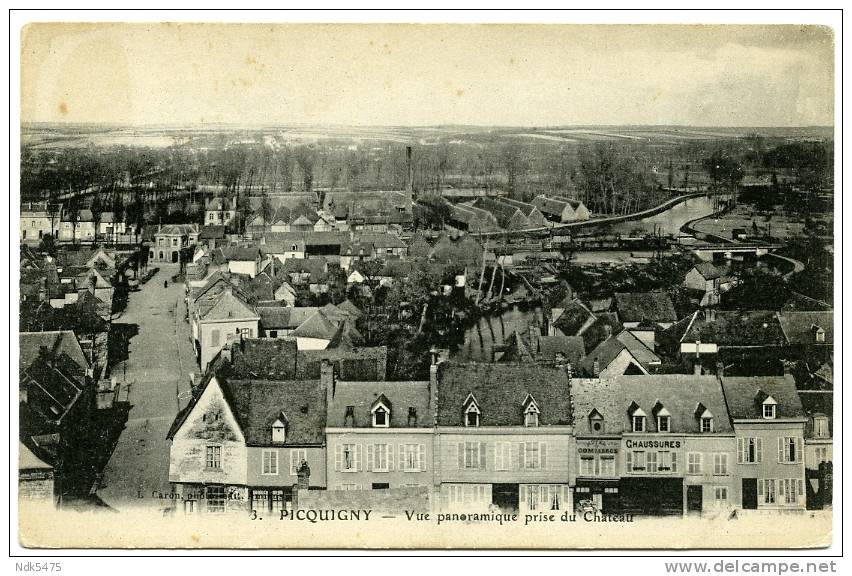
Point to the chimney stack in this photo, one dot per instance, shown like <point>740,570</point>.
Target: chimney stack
<point>327,379</point>
<point>720,369</point>
<point>409,184</point>
<point>696,367</point>
<point>596,367</point>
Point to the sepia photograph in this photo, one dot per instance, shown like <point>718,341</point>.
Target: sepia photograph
<point>399,286</point>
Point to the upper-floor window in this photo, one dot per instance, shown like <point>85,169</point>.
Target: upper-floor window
<point>533,455</point>
<point>596,422</point>
<point>749,450</point>
<point>531,411</point>
<point>270,462</point>
<point>471,411</point>
<point>214,457</point>
<point>769,406</point>
<point>472,455</point>
<point>279,429</point>
<point>297,456</point>
<point>706,424</point>
<point>789,450</point>
<point>381,412</point>
<point>821,426</point>
<point>638,423</point>
<point>664,423</point>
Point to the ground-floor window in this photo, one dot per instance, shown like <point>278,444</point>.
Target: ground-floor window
<point>215,498</point>
<point>270,499</point>
<point>468,496</point>
<point>543,497</point>
<point>720,496</point>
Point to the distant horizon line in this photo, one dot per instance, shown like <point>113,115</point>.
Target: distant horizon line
<point>412,126</point>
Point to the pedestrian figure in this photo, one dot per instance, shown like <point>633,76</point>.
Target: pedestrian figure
<point>165,283</point>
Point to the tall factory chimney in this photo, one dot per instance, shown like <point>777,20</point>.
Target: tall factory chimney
<point>409,184</point>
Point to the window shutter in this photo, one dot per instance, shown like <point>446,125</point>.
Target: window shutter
<point>566,498</point>
<point>674,462</point>
<point>521,453</point>
<point>402,461</point>
<point>293,462</point>
<point>370,452</point>
<point>801,486</point>
<point>358,458</point>
<point>507,455</point>
<point>542,447</point>
<point>800,449</point>
<point>628,461</point>
<point>759,446</point>
<point>482,465</point>
<point>740,450</point>
<point>421,456</point>
<point>338,457</point>
<point>522,496</point>
<point>390,457</point>
<point>760,487</point>
<point>780,450</point>
<point>461,455</point>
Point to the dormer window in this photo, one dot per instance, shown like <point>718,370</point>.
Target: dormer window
<point>769,406</point>
<point>821,426</point>
<point>596,422</point>
<point>706,422</point>
<point>664,417</point>
<point>279,429</point>
<point>531,411</point>
<point>381,412</point>
<point>471,412</point>
<point>637,418</point>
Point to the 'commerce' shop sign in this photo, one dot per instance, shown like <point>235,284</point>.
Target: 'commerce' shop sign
<point>597,446</point>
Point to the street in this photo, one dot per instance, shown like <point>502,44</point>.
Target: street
<point>157,373</point>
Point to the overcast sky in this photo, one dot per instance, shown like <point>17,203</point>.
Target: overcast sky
<point>426,75</point>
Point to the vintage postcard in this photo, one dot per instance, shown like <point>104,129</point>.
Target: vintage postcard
<point>437,286</point>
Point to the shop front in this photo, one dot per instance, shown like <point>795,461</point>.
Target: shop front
<point>652,482</point>
<point>597,479</point>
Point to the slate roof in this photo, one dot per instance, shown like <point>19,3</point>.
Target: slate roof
<point>650,306</point>
<point>229,305</point>
<point>362,395</point>
<point>707,270</point>
<point>283,318</point>
<point>53,384</point>
<point>241,253</point>
<point>502,212</point>
<point>604,396</point>
<point>550,206</point>
<point>348,307</point>
<point>733,328</point>
<point>605,324</point>
<point>316,267</point>
<point>741,394</point>
<point>211,232</point>
<point>575,315</point>
<point>258,403</point>
<point>326,238</point>
<point>281,242</point>
<point>263,358</point>
<point>680,394</point>
<point>317,326</point>
<point>571,348</point>
<point>58,342</point>
<point>350,364</point>
<point>382,240</point>
<point>515,349</point>
<point>609,349</point>
<point>799,327</point>
<point>500,390</point>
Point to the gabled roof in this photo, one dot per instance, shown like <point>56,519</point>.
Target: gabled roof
<point>609,349</point>
<point>525,207</point>
<point>262,359</point>
<point>500,389</point>
<point>257,404</point>
<point>241,253</point>
<point>648,306</point>
<point>57,342</point>
<point>707,270</point>
<point>680,394</point>
<point>284,318</point>
<point>742,395</point>
<point>229,306</point>
<point>348,307</point>
<point>732,328</point>
<point>53,384</point>
<point>551,206</point>
<point>516,349</point>
<point>363,396</point>
<point>382,240</point>
<point>800,327</point>
<point>316,267</point>
<point>366,364</point>
<point>29,461</point>
<point>317,326</point>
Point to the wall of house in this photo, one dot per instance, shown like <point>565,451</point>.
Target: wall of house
<point>83,231</point>
<point>707,445</point>
<point>769,467</point>
<point>225,327</point>
<point>248,267</point>
<point>619,364</point>
<point>581,212</point>
<point>557,468</point>
<point>210,423</point>
<point>315,457</point>
<point>36,486</point>
<point>33,227</point>
<point>312,343</point>
<point>364,476</point>
<point>812,462</point>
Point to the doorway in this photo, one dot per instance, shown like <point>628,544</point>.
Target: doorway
<point>694,498</point>
<point>505,497</point>
<point>749,493</point>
